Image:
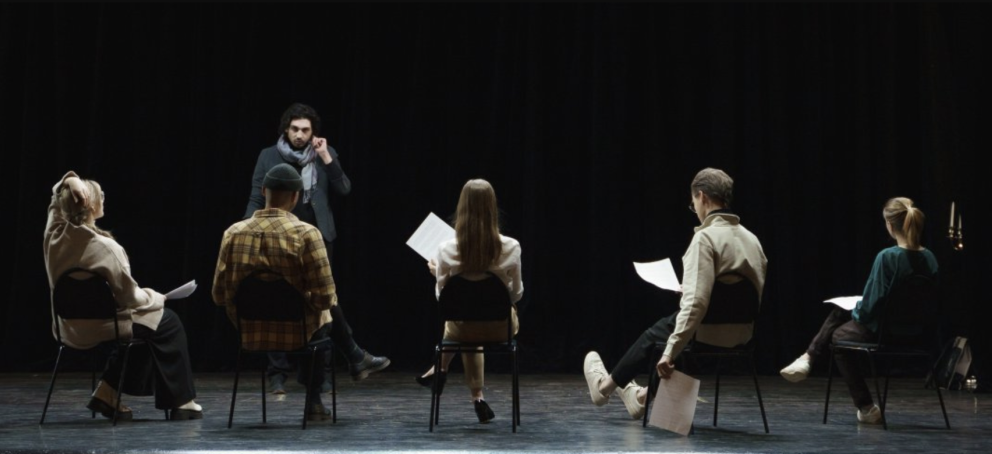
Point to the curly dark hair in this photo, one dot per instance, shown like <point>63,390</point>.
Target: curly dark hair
<point>296,112</point>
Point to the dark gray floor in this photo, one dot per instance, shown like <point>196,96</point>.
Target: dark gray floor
<point>388,412</point>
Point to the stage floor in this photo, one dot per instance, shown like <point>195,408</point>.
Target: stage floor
<point>389,412</point>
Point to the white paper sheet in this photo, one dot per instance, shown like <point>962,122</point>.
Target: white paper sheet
<point>182,291</point>
<point>659,273</point>
<point>431,233</point>
<point>845,302</point>
<point>674,405</point>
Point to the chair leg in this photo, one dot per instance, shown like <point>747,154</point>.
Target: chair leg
<point>93,381</point>
<point>311,385</point>
<point>435,399</point>
<point>516,390</point>
<point>940,397</point>
<point>264,399</point>
<point>513,386</point>
<point>757,389</point>
<point>874,373</point>
<point>830,379</point>
<point>234,393</point>
<point>120,385</point>
<point>334,389</point>
<point>885,389</point>
<point>51,386</point>
<point>716,398</point>
<point>652,390</point>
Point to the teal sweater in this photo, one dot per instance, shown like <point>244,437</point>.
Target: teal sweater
<point>891,265</point>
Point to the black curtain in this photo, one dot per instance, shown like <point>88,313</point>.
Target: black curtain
<point>590,121</point>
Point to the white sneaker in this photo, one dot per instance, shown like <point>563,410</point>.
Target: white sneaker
<point>874,416</point>
<point>797,371</point>
<point>629,397</point>
<point>595,373</point>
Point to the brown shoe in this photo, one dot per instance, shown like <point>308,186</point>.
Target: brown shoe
<point>123,412</point>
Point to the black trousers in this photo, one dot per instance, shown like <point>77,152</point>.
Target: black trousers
<point>634,361</point>
<point>839,326</point>
<point>305,376</point>
<point>340,333</point>
<point>161,367</point>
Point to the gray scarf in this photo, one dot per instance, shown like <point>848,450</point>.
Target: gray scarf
<point>304,158</point>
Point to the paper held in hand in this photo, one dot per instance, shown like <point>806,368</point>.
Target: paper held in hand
<point>659,273</point>
<point>182,291</point>
<point>845,302</point>
<point>429,236</point>
<point>674,405</point>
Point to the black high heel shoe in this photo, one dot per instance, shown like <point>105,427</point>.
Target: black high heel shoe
<point>428,381</point>
<point>483,411</point>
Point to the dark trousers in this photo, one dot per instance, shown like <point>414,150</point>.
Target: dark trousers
<point>839,326</point>
<point>633,362</point>
<point>161,367</point>
<point>340,333</point>
<point>316,376</point>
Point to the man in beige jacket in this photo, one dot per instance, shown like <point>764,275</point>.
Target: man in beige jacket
<point>722,249</point>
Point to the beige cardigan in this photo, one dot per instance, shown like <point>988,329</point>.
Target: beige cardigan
<point>720,246</point>
<point>70,246</point>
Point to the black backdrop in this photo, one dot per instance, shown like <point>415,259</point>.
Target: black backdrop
<point>590,121</point>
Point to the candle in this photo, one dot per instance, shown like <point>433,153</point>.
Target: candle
<point>959,226</point>
<point>952,215</point>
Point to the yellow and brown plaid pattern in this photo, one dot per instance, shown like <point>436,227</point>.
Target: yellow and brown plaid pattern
<point>276,240</point>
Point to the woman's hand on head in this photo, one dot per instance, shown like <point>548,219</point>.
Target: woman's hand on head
<point>79,189</point>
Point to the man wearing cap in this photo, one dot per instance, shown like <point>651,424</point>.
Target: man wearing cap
<point>320,172</point>
<point>274,238</point>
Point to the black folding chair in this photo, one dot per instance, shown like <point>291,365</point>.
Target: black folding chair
<point>906,329</point>
<point>263,299</point>
<point>729,303</point>
<point>81,294</point>
<point>477,301</point>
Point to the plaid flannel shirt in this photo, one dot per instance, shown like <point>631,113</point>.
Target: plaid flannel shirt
<point>277,240</point>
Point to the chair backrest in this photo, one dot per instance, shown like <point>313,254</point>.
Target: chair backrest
<point>909,314</point>
<point>265,295</point>
<point>466,300</point>
<point>271,313</point>
<point>82,294</point>
<point>732,303</point>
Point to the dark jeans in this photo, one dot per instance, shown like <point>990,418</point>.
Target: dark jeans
<point>839,326</point>
<point>633,362</point>
<point>162,367</point>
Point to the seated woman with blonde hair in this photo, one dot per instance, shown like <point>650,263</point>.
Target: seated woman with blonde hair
<point>72,240</point>
<point>477,250</point>
<point>904,223</point>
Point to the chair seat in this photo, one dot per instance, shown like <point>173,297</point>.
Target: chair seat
<point>499,345</point>
<point>700,348</point>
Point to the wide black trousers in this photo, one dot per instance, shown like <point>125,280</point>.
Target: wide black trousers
<point>161,367</point>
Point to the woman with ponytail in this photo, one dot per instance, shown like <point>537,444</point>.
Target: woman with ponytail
<point>72,240</point>
<point>904,223</point>
<point>477,250</point>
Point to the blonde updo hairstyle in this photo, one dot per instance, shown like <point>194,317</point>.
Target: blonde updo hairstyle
<point>906,219</point>
<point>75,213</point>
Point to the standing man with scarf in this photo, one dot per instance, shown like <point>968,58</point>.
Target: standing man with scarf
<point>317,162</point>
